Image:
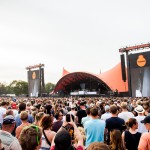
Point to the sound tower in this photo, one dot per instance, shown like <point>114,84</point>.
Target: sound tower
<point>123,68</point>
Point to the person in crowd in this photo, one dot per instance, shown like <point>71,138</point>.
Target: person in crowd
<point>24,120</point>
<point>98,146</point>
<point>125,114</point>
<point>140,111</point>
<point>9,112</point>
<point>81,129</point>
<point>47,134</point>
<point>38,118</point>
<point>116,142</point>
<point>94,128</point>
<point>73,111</point>
<point>63,141</point>
<point>144,143</point>
<point>22,107</point>
<point>30,138</point>
<point>9,142</point>
<point>131,137</point>
<point>84,119</point>
<point>107,113</point>
<point>114,122</point>
<point>81,113</point>
<point>58,122</point>
<point>3,109</point>
<point>14,108</point>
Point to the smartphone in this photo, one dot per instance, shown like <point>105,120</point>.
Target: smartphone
<point>68,117</point>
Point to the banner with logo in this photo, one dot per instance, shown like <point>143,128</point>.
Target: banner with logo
<point>140,74</point>
<point>33,83</point>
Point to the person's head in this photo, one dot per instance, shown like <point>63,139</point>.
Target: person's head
<point>8,123</point>
<point>24,116</point>
<point>4,104</point>
<point>94,111</point>
<point>39,116</point>
<point>59,115</point>
<point>139,109</point>
<point>9,112</point>
<point>62,140</point>
<point>116,140</point>
<point>132,123</point>
<point>30,138</point>
<point>113,109</point>
<point>46,122</point>
<point>22,107</point>
<point>107,108</point>
<point>98,146</point>
<point>124,105</point>
<point>146,122</point>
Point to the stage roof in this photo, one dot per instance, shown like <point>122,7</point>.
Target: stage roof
<point>111,79</point>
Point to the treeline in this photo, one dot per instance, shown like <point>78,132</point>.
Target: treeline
<point>19,87</point>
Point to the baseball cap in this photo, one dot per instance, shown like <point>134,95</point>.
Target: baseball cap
<point>146,120</point>
<point>8,120</point>
<point>13,106</point>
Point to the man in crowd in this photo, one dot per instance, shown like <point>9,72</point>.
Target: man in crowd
<point>8,141</point>
<point>140,111</point>
<point>107,113</point>
<point>84,119</point>
<point>2,112</point>
<point>114,122</point>
<point>144,143</point>
<point>81,113</point>
<point>125,114</point>
<point>94,128</point>
<point>22,107</point>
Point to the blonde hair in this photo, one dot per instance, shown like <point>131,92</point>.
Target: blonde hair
<point>23,115</point>
<point>81,129</point>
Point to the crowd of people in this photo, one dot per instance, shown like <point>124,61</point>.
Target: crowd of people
<point>75,123</point>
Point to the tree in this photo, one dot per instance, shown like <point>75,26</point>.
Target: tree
<point>3,89</point>
<point>49,87</point>
<point>19,87</point>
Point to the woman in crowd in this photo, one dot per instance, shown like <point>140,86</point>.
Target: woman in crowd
<point>30,138</point>
<point>116,142</point>
<point>38,118</point>
<point>63,141</point>
<point>131,137</point>
<point>47,134</point>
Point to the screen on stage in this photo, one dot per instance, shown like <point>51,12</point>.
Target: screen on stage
<point>140,74</point>
<point>33,83</point>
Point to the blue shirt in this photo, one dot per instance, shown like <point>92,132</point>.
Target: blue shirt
<point>94,129</point>
<point>19,122</point>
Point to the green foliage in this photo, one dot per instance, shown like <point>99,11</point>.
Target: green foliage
<point>21,88</point>
<point>49,87</point>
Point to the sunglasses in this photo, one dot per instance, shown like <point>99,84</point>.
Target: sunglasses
<point>37,130</point>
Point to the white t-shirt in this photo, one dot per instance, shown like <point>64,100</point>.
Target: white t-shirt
<point>141,126</point>
<point>2,113</point>
<point>106,116</point>
<point>125,115</point>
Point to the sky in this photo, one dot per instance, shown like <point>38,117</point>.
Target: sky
<point>79,35</point>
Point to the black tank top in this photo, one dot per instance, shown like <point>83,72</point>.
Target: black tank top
<point>132,140</point>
